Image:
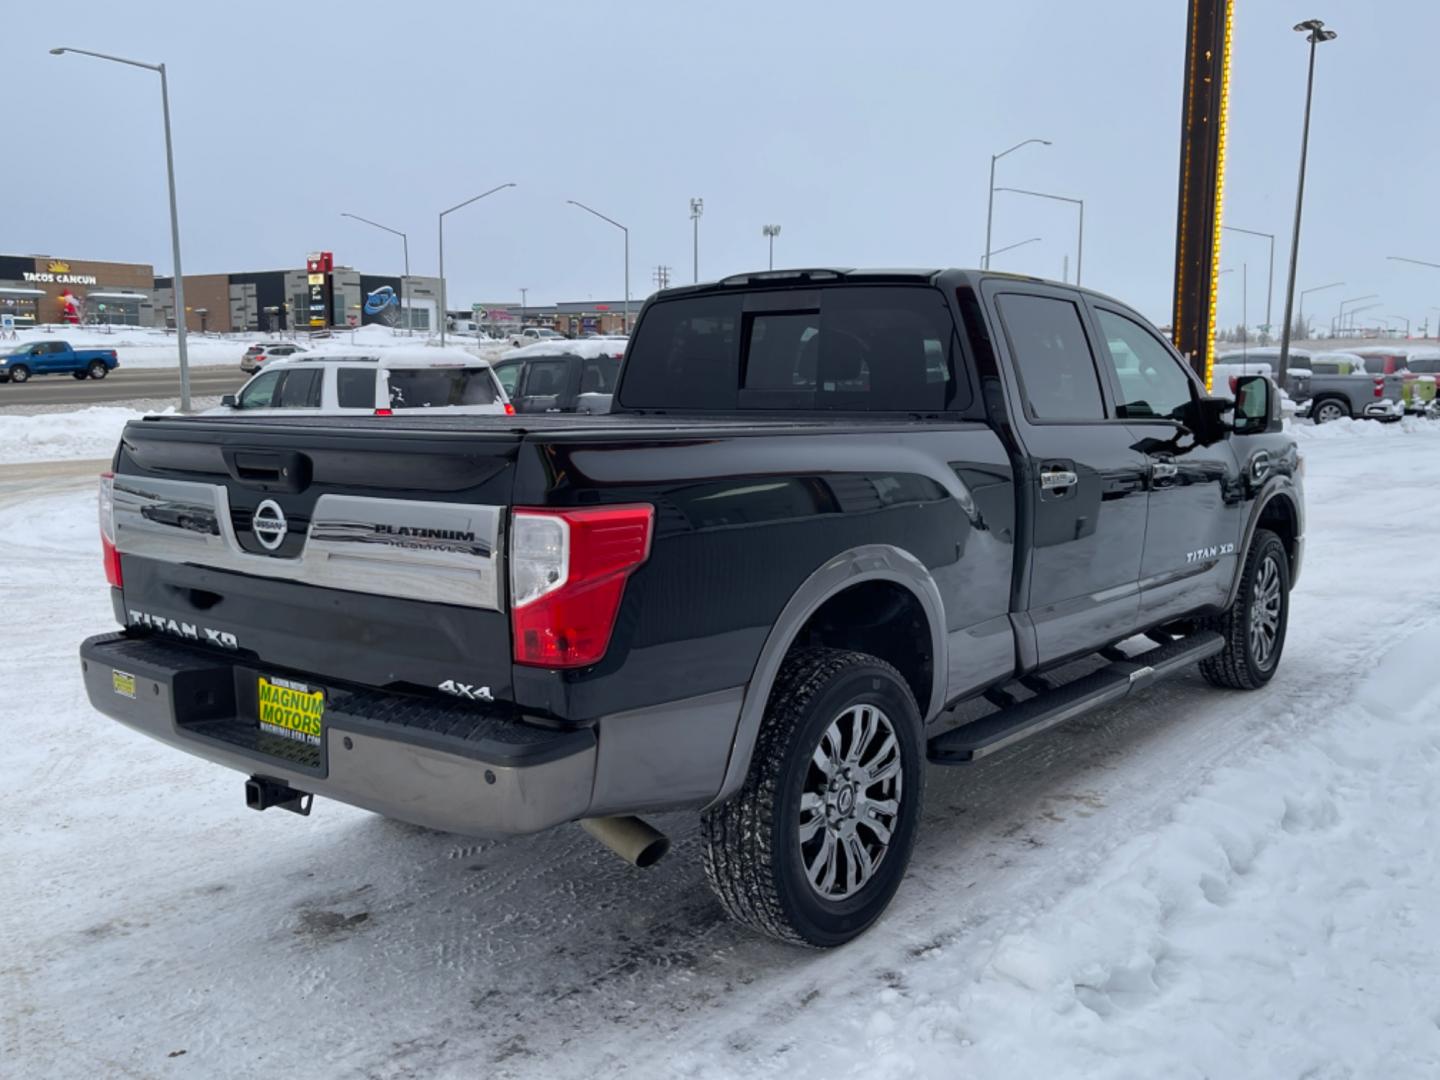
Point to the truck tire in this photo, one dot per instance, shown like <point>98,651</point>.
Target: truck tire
<point>814,845</point>
<point>1328,409</point>
<point>1254,625</point>
<point>19,373</point>
<point>98,370</point>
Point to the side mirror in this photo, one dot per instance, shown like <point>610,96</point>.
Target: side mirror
<point>1257,405</point>
<point>229,401</point>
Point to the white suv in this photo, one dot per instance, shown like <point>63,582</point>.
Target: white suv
<point>371,384</point>
<point>257,356</point>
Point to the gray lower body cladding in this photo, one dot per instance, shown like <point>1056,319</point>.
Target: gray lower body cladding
<point>453,767</point>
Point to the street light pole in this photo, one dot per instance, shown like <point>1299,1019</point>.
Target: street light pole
<point>1080,243</point>
<point>985,259</point>
<point>444,317</point>
<point>1300,315</point>
<point>405,281</point>
<point>1270,288</point>
<point>697,207</point>
<point>771,231</point>
<point>623,229</point>
<point>524,294</point>
<point>1316,34</point>
<point>181,339</point>
<point>990,205</point>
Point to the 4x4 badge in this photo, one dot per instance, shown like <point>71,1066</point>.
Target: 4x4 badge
<point>269,525</point>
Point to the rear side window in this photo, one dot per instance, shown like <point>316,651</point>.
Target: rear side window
<point>685,355</point>
<point>1052,354</point>
<point>355,388</point>
<point>546,378</point>
<point>299,389</point>
<point>424,388</point>
<point>1424,365</point>
<point>598,376</point>
<point>882,348</point>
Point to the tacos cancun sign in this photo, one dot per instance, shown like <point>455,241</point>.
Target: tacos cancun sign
<point>58,273</point>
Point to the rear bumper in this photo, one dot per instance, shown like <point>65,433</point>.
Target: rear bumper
<point>443,766</point>
<point>1385,409</point>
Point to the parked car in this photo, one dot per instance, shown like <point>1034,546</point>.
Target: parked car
<point>756,589</point>
<point>1417,392</point>
<point>561,376</point>
<point>256,356</point>
<point>531,334</point>
<point>370,384</point>
<point>56,358</point>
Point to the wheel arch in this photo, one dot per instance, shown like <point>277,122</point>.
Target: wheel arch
<point>842,575</point>
<point>1277,509</point>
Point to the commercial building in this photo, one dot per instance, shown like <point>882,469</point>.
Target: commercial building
<point>44,289</point>
<point>39,289</point>
<point>571,318</point>
<point>281,300</point>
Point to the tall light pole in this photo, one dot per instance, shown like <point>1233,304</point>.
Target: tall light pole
<point>1415,262</point>
<point>179,291</point>
<point>1315,33</point>
<point>697,207</point>
<point>1339,319</point>
<point>1337,324</point>
<point>1270,288</point>
<point>990,205</point>
<point>405,281</point>
<point>444,317</point>
<point>524,293</point>
<point>985,259</point>
<point>623,229</point>
<point>1300,315</point>
<point>771,231</point>
<point>1080,243</point>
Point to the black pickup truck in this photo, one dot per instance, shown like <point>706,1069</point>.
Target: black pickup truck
<point>838,525</point>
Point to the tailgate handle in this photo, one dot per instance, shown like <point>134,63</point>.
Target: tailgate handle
<point>269,470</point>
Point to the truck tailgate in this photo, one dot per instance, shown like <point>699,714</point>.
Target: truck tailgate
<point>369,556</point>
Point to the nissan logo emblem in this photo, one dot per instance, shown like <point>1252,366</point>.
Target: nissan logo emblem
<point>268,525</point>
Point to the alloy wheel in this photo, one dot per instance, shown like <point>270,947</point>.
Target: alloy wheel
<point>1265,605</point>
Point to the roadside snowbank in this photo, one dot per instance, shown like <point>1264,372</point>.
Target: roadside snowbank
<point>84,433</point>
<point>1346,428</point>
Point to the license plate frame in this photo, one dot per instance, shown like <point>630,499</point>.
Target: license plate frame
<point>287,709</point>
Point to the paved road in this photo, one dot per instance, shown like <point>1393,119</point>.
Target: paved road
<point>123,385</point>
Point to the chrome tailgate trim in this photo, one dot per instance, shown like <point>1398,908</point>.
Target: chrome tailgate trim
<point>443,552</point>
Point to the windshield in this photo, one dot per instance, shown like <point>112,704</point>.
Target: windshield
<point>424,388</point>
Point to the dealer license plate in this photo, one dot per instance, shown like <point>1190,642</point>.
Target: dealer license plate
<point>290,710</point>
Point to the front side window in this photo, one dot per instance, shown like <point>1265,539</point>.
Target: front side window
<point>1153,384</point>
<point>1052,355</point>
<point>259,392</point>
<point>355,388</point>
<point>509,376</point>
<point>598,376</point>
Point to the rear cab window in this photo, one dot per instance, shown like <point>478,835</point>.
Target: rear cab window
<point>886,348</point>
<point>355,388</point>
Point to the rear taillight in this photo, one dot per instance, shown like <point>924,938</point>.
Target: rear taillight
<point>509,409</point>
<point>384,412</point>
<point>1234,384</point>
<point>567,575</point>
<point>1379,386</point>
<point>107,529</point>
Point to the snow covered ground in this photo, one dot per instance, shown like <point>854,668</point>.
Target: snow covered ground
<point>1196,883</point>
<point>151,347</point>
<point>57,436</point>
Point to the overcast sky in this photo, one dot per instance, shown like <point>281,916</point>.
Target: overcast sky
<point>864,129</point>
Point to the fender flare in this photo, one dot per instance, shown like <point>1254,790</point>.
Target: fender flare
<point>870,562</point>
<point>1277,487</point>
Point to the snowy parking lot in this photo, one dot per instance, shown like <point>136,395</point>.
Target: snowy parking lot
<point>1196,883</point>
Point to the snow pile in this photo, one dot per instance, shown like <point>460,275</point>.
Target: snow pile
<point>586,348</point>
<point>1282,923</point>
<point>1346,428</point>
<point>84,433</point>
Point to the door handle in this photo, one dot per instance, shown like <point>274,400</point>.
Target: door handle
<point>1055,479</point>
<point>1163,470</point>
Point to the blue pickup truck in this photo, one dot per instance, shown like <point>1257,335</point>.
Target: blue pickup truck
<point>56,358</point>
